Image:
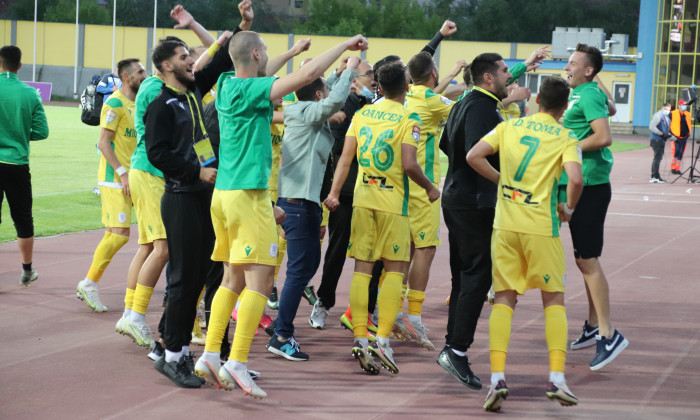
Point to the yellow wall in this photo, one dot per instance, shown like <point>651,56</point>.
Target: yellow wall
<point>5,32</point>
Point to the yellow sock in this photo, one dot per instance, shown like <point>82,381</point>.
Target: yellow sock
<point>499,336</point>
<point>404,290</point>
<point>129,298</point>
<point>359,297</point>
<point>388,303</point>
<point>556,329</point>
<point>142,298</point>
<point>281,250</point>
<point>249,313</point>
<point>221,308</point>
<point>415,302</point>
<point>381,278</point>
<point>108,246</point>
<point>240,297</point>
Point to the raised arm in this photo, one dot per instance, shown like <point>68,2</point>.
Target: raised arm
<point>315,68</point>
<point>205,58</point>
<point>442,84</point>
<point>276,63</point>
<point>246,9</point>
<point>448,28</point>
<point>612,110</point>
<point>185,20</point>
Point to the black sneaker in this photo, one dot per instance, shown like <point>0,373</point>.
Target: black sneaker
<point>458,366</point>
<point>273,302</point>
<point>310,295</point>
<point>271,329</point>
<point>608,349</point>
<point>288,349</point>
<point>157,352</point>
<point>587,337</point>
<point>178,372</point>
<point>28,277</point>
<point>189,362</point>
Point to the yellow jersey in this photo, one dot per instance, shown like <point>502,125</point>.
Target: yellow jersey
<point>532,152</point>
<point>380,130</point>
<point>510,112</point>
<point>118,116</point>
<point>433,110</point>
<point>277,132</point>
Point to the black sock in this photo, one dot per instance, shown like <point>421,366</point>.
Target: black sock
<point>27,267</point>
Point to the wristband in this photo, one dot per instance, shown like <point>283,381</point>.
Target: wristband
<point>120,170</point>
<point>567,210</point>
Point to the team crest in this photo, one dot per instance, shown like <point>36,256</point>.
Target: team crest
<point>110,116</point>
<point>273,250</point>
<point>416,133</point>
<point>122,217</point>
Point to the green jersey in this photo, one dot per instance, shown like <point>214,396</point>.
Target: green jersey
<point>245,115</point>
<point>22,119</point>
<point>588,102</point>
<point>150,88</point>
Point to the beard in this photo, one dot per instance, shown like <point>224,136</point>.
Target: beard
<point>183,77</point>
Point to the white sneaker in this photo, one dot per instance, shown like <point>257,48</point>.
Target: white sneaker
<point>318,315</point>
<point>209,371</point>
<point>230,378</point>
<point>561,393</point>
<point>422,338</point>
<point>140,332</point>
<point>91,297</point>
<point>198,336</point>
<point>121,326</point>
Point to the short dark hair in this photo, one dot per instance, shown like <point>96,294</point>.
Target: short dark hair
<point>308,92</point>
<point>554,93</point>
<point>420,67</point>
<point>467,75</point>
<point>666,104</point>
<point>386,60</point>
<point>392,79</point>
<point>165,49</point>
<point>482,64</point>
<point>11,57</point>
<point>123,65</point>
<point>593,55</point>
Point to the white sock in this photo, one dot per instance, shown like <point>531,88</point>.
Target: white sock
<point>127,313</point>
<point>557,377</point>
<point>236,365</point>
<point>415,319</point>
<point>497,376</point>
<point>238,303</point>
<point>384,342</point>
<point>275,285</point>
<point>399,316</point>
<point>171,356</point>
<point>137,317</point>
<point>211,356</point>
<point>185,350</point>
<point>89,284</point>
<point>363,341</point>
<point>458,353</point>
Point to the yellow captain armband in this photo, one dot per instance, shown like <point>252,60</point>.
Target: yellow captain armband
<point>213,48</point>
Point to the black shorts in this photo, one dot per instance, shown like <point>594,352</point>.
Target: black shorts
<point>588,221</point>
<point>16,185</point>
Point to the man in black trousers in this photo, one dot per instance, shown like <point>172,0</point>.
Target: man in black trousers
<point>468,205</point>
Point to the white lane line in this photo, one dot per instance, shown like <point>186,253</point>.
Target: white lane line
<point>143,404</point>
<point>655,200</point>
<point>661,216</point>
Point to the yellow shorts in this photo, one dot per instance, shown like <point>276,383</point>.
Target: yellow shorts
<point>273,196</point>
<point>116,207</point>
<point>146,192</point>
<point>245,228</point>
<point>377,235</point>
<point>425,220</point>
<point>324,215</point>
<point>522,261</point>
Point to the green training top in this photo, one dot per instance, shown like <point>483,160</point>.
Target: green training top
<point>150,88</point>
<point>22,119</point>
<point>517,71</point>
<point>245,115</point>
<point>588,102</point>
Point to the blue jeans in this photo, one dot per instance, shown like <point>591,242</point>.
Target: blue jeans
<point>302,227</point>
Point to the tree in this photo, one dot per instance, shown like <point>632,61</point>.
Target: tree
<point>90,12</point>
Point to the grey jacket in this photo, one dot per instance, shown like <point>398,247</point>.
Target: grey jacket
<point>308,140</point>
<point>660,125</point>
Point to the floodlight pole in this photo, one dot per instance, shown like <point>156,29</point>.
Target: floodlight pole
<point>75,67</point>
<point>114,32</point>
<point>34,53</point>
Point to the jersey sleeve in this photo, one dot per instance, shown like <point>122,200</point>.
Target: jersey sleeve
<point>351,131</point>
<point>111,114</point>
<point>572,152</point>
<point>259,91</point>
<point>493,138</point>
<point>594,105</point>
<point>410,134</point>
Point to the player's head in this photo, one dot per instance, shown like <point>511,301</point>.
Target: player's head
<point>10,58</point>
<point>423,69</point>
<point>554,95</point>
<point>365,79</point>
<point>583,65</point>
<point>131,73</point>
<point>172,58</point>
<point>314,91</point>
<point>248,51</point>
<point>467,75</point>
<point>490,72</point>
<point>393,79</point>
